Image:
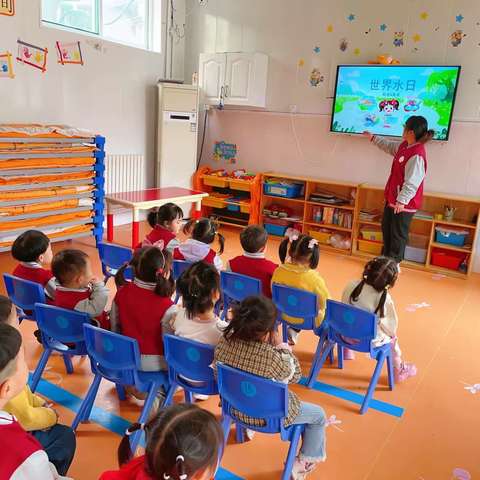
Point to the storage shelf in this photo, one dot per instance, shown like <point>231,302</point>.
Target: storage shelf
<point>322,204</point>
<point>473,226</point>
<point>445,246</point>
<point>446,271</point>
<point>329,226</point>
<point>231,224</point>
<point>366,222</point>
<point>285,199</point>
<point>330,249</point>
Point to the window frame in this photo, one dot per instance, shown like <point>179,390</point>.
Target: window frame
<point>153,8</point>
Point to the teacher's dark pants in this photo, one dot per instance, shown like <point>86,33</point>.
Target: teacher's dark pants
<point>395,228</point>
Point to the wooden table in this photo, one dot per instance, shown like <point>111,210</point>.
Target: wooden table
<point>147,199</point>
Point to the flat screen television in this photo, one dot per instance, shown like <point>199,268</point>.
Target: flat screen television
<point>379,98</point>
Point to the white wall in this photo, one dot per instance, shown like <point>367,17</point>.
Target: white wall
<point>113,94</point>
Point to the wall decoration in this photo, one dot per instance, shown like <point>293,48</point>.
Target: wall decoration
<point>301,63</point>
<point>343,45</point>
<point>398,39</point>
<point>351,17</point>
<point>424,15</point>
<point>225,151</point>
<point>456,38</point>
<point>368,31</point>
<point>330,28</point>
<point>383,27</point>
<point>316,49</point>
<point>69,53</point>
<point>417,38</point>
<point>459,18</point>
<point>6,65</point>
<point>7,7</point>
<point>357,51</point>
<point>316,78</point>
<point>32,55</point>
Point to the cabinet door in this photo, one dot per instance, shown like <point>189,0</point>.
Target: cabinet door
<point>211,76</point>
<point>246,79</point>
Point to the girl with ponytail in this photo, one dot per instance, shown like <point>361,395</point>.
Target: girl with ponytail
<point>372,293</point>
<point>183,441</point>
<point>142,308</point>
<point>300,256</point>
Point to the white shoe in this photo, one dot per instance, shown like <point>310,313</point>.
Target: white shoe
<point>250,433</point>
<point>292,336</point>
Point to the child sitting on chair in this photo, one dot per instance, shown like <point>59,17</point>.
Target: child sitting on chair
<point>34,251</point>
<point>36,415</point>
<point>198,247</point>
<point>253,262</point>
<point>166,222</point>
<point>77,287</point>
<point>300,272</point>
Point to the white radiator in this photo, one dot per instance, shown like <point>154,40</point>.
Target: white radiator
<point>125,173</point>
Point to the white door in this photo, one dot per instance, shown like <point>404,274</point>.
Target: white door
<point>246,79</point>
<point>211,76</point>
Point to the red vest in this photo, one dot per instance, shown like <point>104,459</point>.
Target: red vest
<point>16,446</point>
<point>140,313</point>
<point>69,299</point>
<point>159,233</point>
<point>260,268</point>
<point>397,174</point>
<point>37,275</point>
<point>209,258</point>
<point>133,470</point>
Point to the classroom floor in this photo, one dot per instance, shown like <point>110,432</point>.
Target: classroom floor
<point>426,429</point>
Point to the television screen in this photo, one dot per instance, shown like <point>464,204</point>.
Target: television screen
<point>379,98</point>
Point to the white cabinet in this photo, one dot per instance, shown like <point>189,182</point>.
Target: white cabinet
<point>234,78</point>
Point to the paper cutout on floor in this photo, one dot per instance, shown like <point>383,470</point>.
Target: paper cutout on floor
<point>69,53</point>
<point>7,7</point>
<point>456,38</point>
<point>333,421</point>
<point>316,78</point>
<point>32,55</point>
<point>343,45</point>
<point>461,474</point>
<point>6,65</point>
<point>438,276</point>
<point>398,39</point>
<point>459,18</point>
<point>473,389</point>
<point>417,306</point>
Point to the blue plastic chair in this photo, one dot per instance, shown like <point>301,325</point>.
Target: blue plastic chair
<point>301,305</point>
<point>259,398</point>
<point>236,287</point>
<point>179,266</point>
<point>347,321</point>
<point>59,327</point>
<point>116,358</point>
<point>113,257</point>
<point>24,294</point>
<point>189,360</point>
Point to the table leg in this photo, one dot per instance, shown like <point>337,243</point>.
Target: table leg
<point>135,228</point>
<point>109,224</point>
<point>198,210</point>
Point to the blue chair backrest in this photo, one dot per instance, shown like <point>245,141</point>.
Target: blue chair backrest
<point>191,360</point>
<point>23,293</point>
<point>113,256</point>
<point>237,286</point>
<point>179,266</point>
<point>296,303</point>
<point>347,321</point>
<point>114,356</point>
<point>254,396</point>
<point>62,325</point>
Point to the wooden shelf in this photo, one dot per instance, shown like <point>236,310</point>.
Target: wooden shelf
<point>326,225</point>
<point>285,199</point>
<point>330,249</point>
<point>366,222</point>
<point>231,224</point>
<point>321,204</point>
<point>456,224</point>
<point>446,271</point>
<point>445,246</point>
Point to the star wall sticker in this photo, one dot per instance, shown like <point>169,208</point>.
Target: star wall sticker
<point>424,15</point>
<point>416,38</point>
<point>459,18</point>
<point>316,49</point>
<point>383,27</point>
<point>351,17</point>
<point>330,28</point>
<point>356,51</point>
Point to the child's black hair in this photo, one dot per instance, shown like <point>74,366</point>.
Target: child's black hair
<point>68,264</point>
<point>253,319</point>
<point>381,273</point>
<point>5,308</point>
<point>154,266</point>
<point>28,246</point>
<point>165,214</point>
<point>253,238</point>
<point>120,275</point>
<point>10,344</point>
<point>205,231</point>
<point>182,440</point>
<point>303,249</point>
<point>197,286</point>
<point>419,126</point>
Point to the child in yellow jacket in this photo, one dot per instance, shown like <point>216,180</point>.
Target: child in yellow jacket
<point>298,270</point>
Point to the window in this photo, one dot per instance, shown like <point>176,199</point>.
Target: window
<point>132,22</point>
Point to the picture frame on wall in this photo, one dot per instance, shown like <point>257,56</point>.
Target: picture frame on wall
<point>7,7</point>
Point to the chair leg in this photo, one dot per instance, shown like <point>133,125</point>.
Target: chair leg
<point>67,360</point>
<point>188,396</point>
<point>284,331</point>
<point>292,452</point>
<point>373,382</point>
<point>318,363</point>
<point>239,433</point>
<point>86,407</point>
<point>225,308</point>
<point>37,374</point>
<point>226,425</point>
<point>171,392</point>
<point>152,393</point>
<point>318,354</point>
<point>391,376</point>
<point>121,393</point>
<point>340,356</point>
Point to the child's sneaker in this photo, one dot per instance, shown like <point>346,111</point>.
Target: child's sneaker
<point>348,354</point>
<point>301,468</point>
<point>292,336</point>
<point>405,371</point>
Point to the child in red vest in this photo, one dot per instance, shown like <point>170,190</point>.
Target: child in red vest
<point>23,458</point>
<point>404,189</point>
<point>166,222</point>
<point>197,248</point>
<point>183,442</point>
<point>33,250</point>
<point>77,288</point>
<point>253,262</point>
<point>142,307</point>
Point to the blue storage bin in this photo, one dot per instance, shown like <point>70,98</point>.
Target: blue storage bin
<point>450,236</point>
<point>278,230</point>
<point>283,190</point>
<point>233,207</point>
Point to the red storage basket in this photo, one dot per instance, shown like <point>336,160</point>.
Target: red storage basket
<point>447,259</point>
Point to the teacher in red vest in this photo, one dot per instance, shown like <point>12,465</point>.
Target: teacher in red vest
<point>404,189</point>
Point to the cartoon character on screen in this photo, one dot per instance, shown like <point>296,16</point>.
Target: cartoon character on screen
<point>370,120</point>
<point>412,105</point>
<point>389,107</point>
